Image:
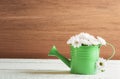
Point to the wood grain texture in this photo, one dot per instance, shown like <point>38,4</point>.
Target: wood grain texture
<point>29,28</point>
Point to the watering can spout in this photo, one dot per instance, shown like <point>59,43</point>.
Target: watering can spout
<point>54,52</point>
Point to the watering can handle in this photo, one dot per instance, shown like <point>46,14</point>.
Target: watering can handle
<point>113,53</point>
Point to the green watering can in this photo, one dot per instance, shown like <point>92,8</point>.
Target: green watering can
<point>83,59</point>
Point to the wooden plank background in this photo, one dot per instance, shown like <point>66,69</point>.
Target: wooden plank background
<point>29,28</point>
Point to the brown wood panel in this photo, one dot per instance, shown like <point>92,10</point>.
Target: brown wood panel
<point>29,28</point>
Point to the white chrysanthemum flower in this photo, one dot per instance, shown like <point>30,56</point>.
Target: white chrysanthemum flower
<point>94,42</point>
<point>101,40</point>
<point>70,40</point>
<point>85,39</point>
<point>87,36</point>
<point>75,42</point>
<point>85,42</point>
<point>84,36</point>
<point>101,64</point>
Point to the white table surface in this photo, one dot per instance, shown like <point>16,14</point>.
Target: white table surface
<point>50,69</point>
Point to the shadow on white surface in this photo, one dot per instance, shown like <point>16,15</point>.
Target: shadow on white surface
<point>45,72</point>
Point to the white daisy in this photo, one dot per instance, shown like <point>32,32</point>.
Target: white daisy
<point>94,41</point>
<point>101,64</point>
<point>84,36</point>
<point>75,42</point>
<point>70,40</point>
<point>101,40</point>
<point>85,42</point>
<point>85,39</point>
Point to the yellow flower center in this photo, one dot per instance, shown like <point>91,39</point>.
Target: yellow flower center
<point>76,42</point>
<point>101,64</point>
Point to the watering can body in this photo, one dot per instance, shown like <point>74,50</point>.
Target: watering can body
<point>83,59</point>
